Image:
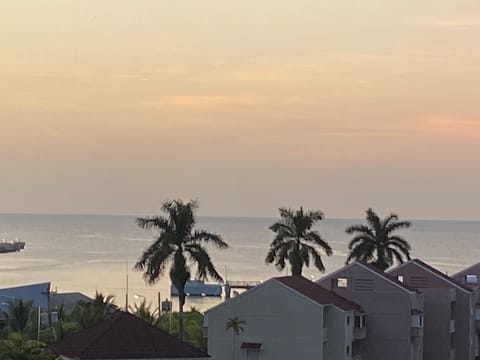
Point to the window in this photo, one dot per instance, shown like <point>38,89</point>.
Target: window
<point>471,279</point>
<point>342,282</point>
<point>348,320</point>
<point>348,350</point>
<point>363,285</point>
<point>400,278</point>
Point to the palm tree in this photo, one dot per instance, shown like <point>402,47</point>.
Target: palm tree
<point>144,312</point>
<point>295,242</point>
<point>19,316</point>
<point>176,243</point>
<point>88,313</point>
<point>237,327</point>
<point>374,243</point>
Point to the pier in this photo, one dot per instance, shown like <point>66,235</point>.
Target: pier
<point>245,285</point>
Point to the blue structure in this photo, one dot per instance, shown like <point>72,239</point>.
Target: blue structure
<point>198,288</point>
<point>38,293</point>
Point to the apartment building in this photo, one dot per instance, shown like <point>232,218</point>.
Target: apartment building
<point>470,277</point>
<point>287,318</point>
<point>394,311</point>
<point>449,311</point>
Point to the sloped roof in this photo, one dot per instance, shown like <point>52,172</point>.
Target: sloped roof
<point>317,293</point>
<point>389,277</point>
<point>38,293</point>
<point>124,336</point>
<point>441,275</point>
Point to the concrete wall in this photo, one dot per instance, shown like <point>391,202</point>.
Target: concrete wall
<point>388,309</point>
<point>339,325</point>
<point>289,325</point>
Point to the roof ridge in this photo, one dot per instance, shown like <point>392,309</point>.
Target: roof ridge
<point>441,274</point>
<point>111,321</point>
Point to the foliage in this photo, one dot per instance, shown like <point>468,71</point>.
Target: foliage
<point>144,312</point>
<point>19,316</point>
<point>17,347</point>
<point>88,313</point>
<point>374,242</point>
<point>177,243</point>
<point>295,242</point>
<point>236,325</point>
<point>193,327</point>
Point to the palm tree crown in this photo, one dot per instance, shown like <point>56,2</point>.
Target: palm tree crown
<point>178,244</point>
<point>295,242</point>
<point>236,325</point>
<point>374,242</point>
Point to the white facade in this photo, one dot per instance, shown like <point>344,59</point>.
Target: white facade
<point>288,324</point>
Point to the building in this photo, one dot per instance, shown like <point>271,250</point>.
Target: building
<point>394,311</point>
<point>287,318</point>
<point>449,311</point>
<point>126,337</point>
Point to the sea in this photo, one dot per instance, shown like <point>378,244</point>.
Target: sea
<point>90,253</point>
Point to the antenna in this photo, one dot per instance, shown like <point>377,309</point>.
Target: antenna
<point>126,289</point>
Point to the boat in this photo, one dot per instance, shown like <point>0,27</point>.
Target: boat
<point>198,288</point>
<point>11,246</point>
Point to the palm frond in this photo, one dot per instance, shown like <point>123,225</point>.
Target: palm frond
<point>203,235</point>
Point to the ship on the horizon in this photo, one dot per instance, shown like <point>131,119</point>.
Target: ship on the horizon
<point>11,246</point>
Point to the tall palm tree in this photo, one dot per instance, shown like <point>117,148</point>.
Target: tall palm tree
<point>237,327</point>
<point>374,242</point>
<point>177,243</point>
<point>296,242</point>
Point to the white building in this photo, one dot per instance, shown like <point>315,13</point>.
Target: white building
<point>286,318</point>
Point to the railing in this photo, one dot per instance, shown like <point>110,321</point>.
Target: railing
<point>244,283</point>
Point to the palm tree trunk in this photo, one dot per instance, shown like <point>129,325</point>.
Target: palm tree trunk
<point>181,302</point>
<point>233,347</point>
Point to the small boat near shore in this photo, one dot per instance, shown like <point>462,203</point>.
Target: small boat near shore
<point>11,246</point>
<point>198,288</point>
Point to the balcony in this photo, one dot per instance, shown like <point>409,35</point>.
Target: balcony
<point>359,333</point>
<point>452,326</point>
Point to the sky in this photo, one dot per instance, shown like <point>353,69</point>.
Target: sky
<point>113,106</point>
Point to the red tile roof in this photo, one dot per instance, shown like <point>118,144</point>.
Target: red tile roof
<point>317,293</point>
<point>389,277</point>
<point>124,336</point>
<point>442,275</point>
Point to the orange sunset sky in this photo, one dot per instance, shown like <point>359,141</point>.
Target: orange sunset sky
<point>112,106</point>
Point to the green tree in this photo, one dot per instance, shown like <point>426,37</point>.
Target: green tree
<point>17,347</point>
<point>144,312</point>
<point>375,243</point>
<point>19,316</point>
<point>296,242</point>
<point>88,313</point>
<point>237,327</point>
<point>176,243</point>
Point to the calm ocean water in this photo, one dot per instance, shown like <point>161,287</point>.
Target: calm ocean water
<point>89,253</point>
